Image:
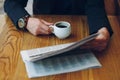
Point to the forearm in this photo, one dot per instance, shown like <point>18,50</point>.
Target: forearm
<point>97,16</point>
<point>15,9</point>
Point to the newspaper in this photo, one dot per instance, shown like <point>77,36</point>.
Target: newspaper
<point>70,60</point>
<point>41,53</point>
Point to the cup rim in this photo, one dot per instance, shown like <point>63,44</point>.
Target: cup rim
<point>68,23</point>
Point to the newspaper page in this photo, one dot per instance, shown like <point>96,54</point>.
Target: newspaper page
<point>71,61</point>
<point>41,53</point>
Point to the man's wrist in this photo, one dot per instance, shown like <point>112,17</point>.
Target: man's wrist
<point>22,23</point>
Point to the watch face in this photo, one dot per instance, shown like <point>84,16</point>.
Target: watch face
<point>21,23</point>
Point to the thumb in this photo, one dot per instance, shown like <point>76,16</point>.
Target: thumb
<point>103,33</point>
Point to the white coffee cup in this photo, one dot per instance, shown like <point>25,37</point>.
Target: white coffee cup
<point>61,29</point>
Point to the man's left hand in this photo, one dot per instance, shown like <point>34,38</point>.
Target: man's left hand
<point>100,42</point>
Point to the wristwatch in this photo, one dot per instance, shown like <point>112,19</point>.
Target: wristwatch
<point>22,22</point>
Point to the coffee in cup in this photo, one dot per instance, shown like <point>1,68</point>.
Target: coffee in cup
<point>61,29</point>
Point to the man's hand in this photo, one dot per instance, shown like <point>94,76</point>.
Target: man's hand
<point>100,42</point>
<point>38,26</point>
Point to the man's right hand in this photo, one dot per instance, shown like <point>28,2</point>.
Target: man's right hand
<point>38,26</point>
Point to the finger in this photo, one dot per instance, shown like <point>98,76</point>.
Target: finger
<point>42,31</point>
<point>104,34</point>
<point>45,27</point>
<point>95,46</point>
<point>99,49</point>
<point>91,43</point>
<point>46,23</point>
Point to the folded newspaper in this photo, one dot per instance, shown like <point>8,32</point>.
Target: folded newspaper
<point>46,61</point>
<point>41,53</point>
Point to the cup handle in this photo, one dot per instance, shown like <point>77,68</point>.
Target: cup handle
<point>52,28</point>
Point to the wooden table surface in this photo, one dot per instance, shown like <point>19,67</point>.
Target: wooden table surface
<point>13,41</point>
